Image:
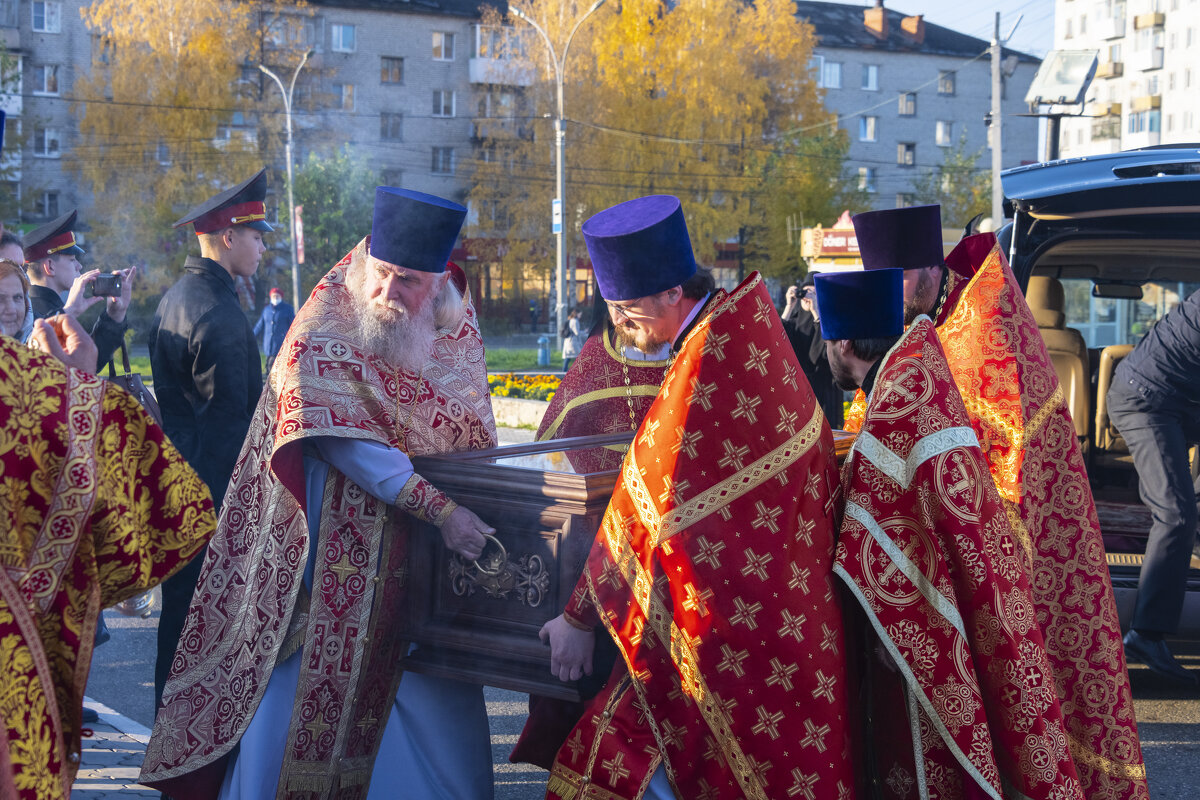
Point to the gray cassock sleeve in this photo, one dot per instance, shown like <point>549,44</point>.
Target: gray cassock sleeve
<point>382,471</point>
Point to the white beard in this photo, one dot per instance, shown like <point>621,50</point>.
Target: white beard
<point>390,332</point>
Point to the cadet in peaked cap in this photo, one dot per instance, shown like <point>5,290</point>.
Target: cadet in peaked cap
<point>206,365</point>
<point>57,287</point>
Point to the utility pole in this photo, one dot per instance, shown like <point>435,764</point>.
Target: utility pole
<point>997,137</point>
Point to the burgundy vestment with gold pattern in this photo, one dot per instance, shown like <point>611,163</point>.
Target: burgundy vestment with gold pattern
<point>712,573</point>
<point>1019,412</point>
<point>97,506</point>
<point>603,392</point>
<point>251,609</point>
<point>926,548</point>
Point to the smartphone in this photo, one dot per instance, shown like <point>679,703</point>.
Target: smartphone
<point>106,286</point>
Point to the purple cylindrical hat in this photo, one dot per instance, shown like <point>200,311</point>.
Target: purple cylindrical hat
<point>900,238</point>
<point>414,230</point>
<point>640,247</point>
<point>861,304</point>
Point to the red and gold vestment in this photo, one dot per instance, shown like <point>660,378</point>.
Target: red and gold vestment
<point>251,609</point>
<point>603,392</point>
<point>926,548</point>
<point>1019,413</point>
<point>712,573</point>
<point>97,506</point>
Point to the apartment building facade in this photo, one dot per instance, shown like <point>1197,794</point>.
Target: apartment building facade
<point>1147,85</point>
<point>907,91</point>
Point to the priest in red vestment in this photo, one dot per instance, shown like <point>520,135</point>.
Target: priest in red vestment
<point>286,682</point>
<point>960,695</point>
<point>712,568</point>
<point>96,506</point>
<point>1018,411</point>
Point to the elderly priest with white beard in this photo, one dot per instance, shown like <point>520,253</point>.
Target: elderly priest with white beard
<point>285,682</point>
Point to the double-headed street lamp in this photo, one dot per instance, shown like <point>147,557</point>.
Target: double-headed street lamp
<point>287,112</point>
<point>558,208</point>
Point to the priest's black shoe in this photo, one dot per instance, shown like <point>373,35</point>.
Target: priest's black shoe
<point>1155,655</point>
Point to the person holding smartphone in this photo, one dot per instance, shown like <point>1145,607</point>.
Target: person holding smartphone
<point>58,287</point>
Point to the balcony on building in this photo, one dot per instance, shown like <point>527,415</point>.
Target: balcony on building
<point>1145,60</point>
<point>1146,102</point>
<point>1155,19</point>
<point>1111,28</point>
<point>1143,127</point>
<point>1110,69</point>
<point>498,57</point>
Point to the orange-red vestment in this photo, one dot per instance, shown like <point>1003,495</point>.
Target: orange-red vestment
<point>96,507</point>
<point>712,573</point>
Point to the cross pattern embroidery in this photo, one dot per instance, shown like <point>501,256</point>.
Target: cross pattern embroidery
<point>746,613</point>
<point>714,345</point>
<point>710,552</point>
<point>649,430</point>
<point>746,408</point>
<point>756,564</point>
<point>792,625</point>
<point>757,360</point>
<point>616,768</point>
<point>800,576</point>
<point>734,455</point>
<point>672,734</point>
<point>789,376</point>
<point>687,441</point>
<point>768,723</point>
<point>767,516</point>
<point>702,394</point>
<point>671,489</point>
<point>781,674</point>
<point>697,601</point>
<point>763,313</point>
<point>802,785</point>
<point>787,421</point>
<point>815,735</point>
<point>824,687</point>
<point>732,661</point>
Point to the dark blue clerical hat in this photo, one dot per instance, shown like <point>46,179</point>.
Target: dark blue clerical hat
<point>414,230</point>
<point>900,238</point>
<point>640,247</point>
<point>240,205</point>
<point>861,304</point>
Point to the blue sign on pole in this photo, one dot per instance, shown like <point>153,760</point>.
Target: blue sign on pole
<point>556,216</point>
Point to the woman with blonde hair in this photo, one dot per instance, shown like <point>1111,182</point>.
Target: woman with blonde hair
<point>15,313</point>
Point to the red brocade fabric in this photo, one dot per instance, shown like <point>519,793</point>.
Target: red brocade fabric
<point>250,610</point>
<point>926,548</point>
<point>603,392</point>
<point>712,573</point>
<point>1019,413</point>
<point>96,506</point>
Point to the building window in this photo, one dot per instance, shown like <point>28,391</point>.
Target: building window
<point>391,127</point>
<point>1145,121</point>
<point>1067,32</point>
<point>391,69</point>
<point>47,17</point>
<point>341,38</point>
<point>45,143</point>
<point>343,96</point>
<point>944,133</point>
<point>48,204</point>
<point>867,128</point>
<point>866,179</point>
<point>443,103</point>
<point>9,18</point>
<point>443,161</point>
<point>443,46</point>
<point>831,75</point>
<point>908,104</point>
<point>906,154</point>
<point>1114,54</point>
<point>904,199</point>
<point>870,77</point>
<point>162,153</point>
<point>946,81</point>
<point>45,79</point>
<point>1082,24</point>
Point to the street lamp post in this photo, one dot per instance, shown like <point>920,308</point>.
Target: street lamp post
<point>560,173</point>
<point>287,113</point>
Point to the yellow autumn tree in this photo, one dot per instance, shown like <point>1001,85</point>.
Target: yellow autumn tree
<point>167,85</point>
<point>710,100</point>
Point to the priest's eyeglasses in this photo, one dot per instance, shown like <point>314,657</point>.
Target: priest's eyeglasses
<point>629,310</point>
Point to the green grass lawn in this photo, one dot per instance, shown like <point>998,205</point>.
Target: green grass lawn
<point>498,360</point>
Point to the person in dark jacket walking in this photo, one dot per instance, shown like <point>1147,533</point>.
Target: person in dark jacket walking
<point>207,370</point>
<point>273,325</point>
<point>800,322</point>
<point>54,273</point>
<point>1154,401</point>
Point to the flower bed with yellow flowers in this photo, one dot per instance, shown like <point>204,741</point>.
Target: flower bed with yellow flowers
<point>526,387</point>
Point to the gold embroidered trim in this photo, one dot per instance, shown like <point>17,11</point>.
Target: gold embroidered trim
<point>1020,531</point>
<point>745,480</point>
<point>1080,751</point>
<point>638,390</point>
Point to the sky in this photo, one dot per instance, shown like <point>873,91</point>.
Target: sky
<point>1035,34</point>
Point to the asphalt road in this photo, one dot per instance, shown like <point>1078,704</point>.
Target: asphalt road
<point>1168,718</point>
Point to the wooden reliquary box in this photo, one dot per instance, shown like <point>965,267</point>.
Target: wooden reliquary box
<point>479,620</point>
